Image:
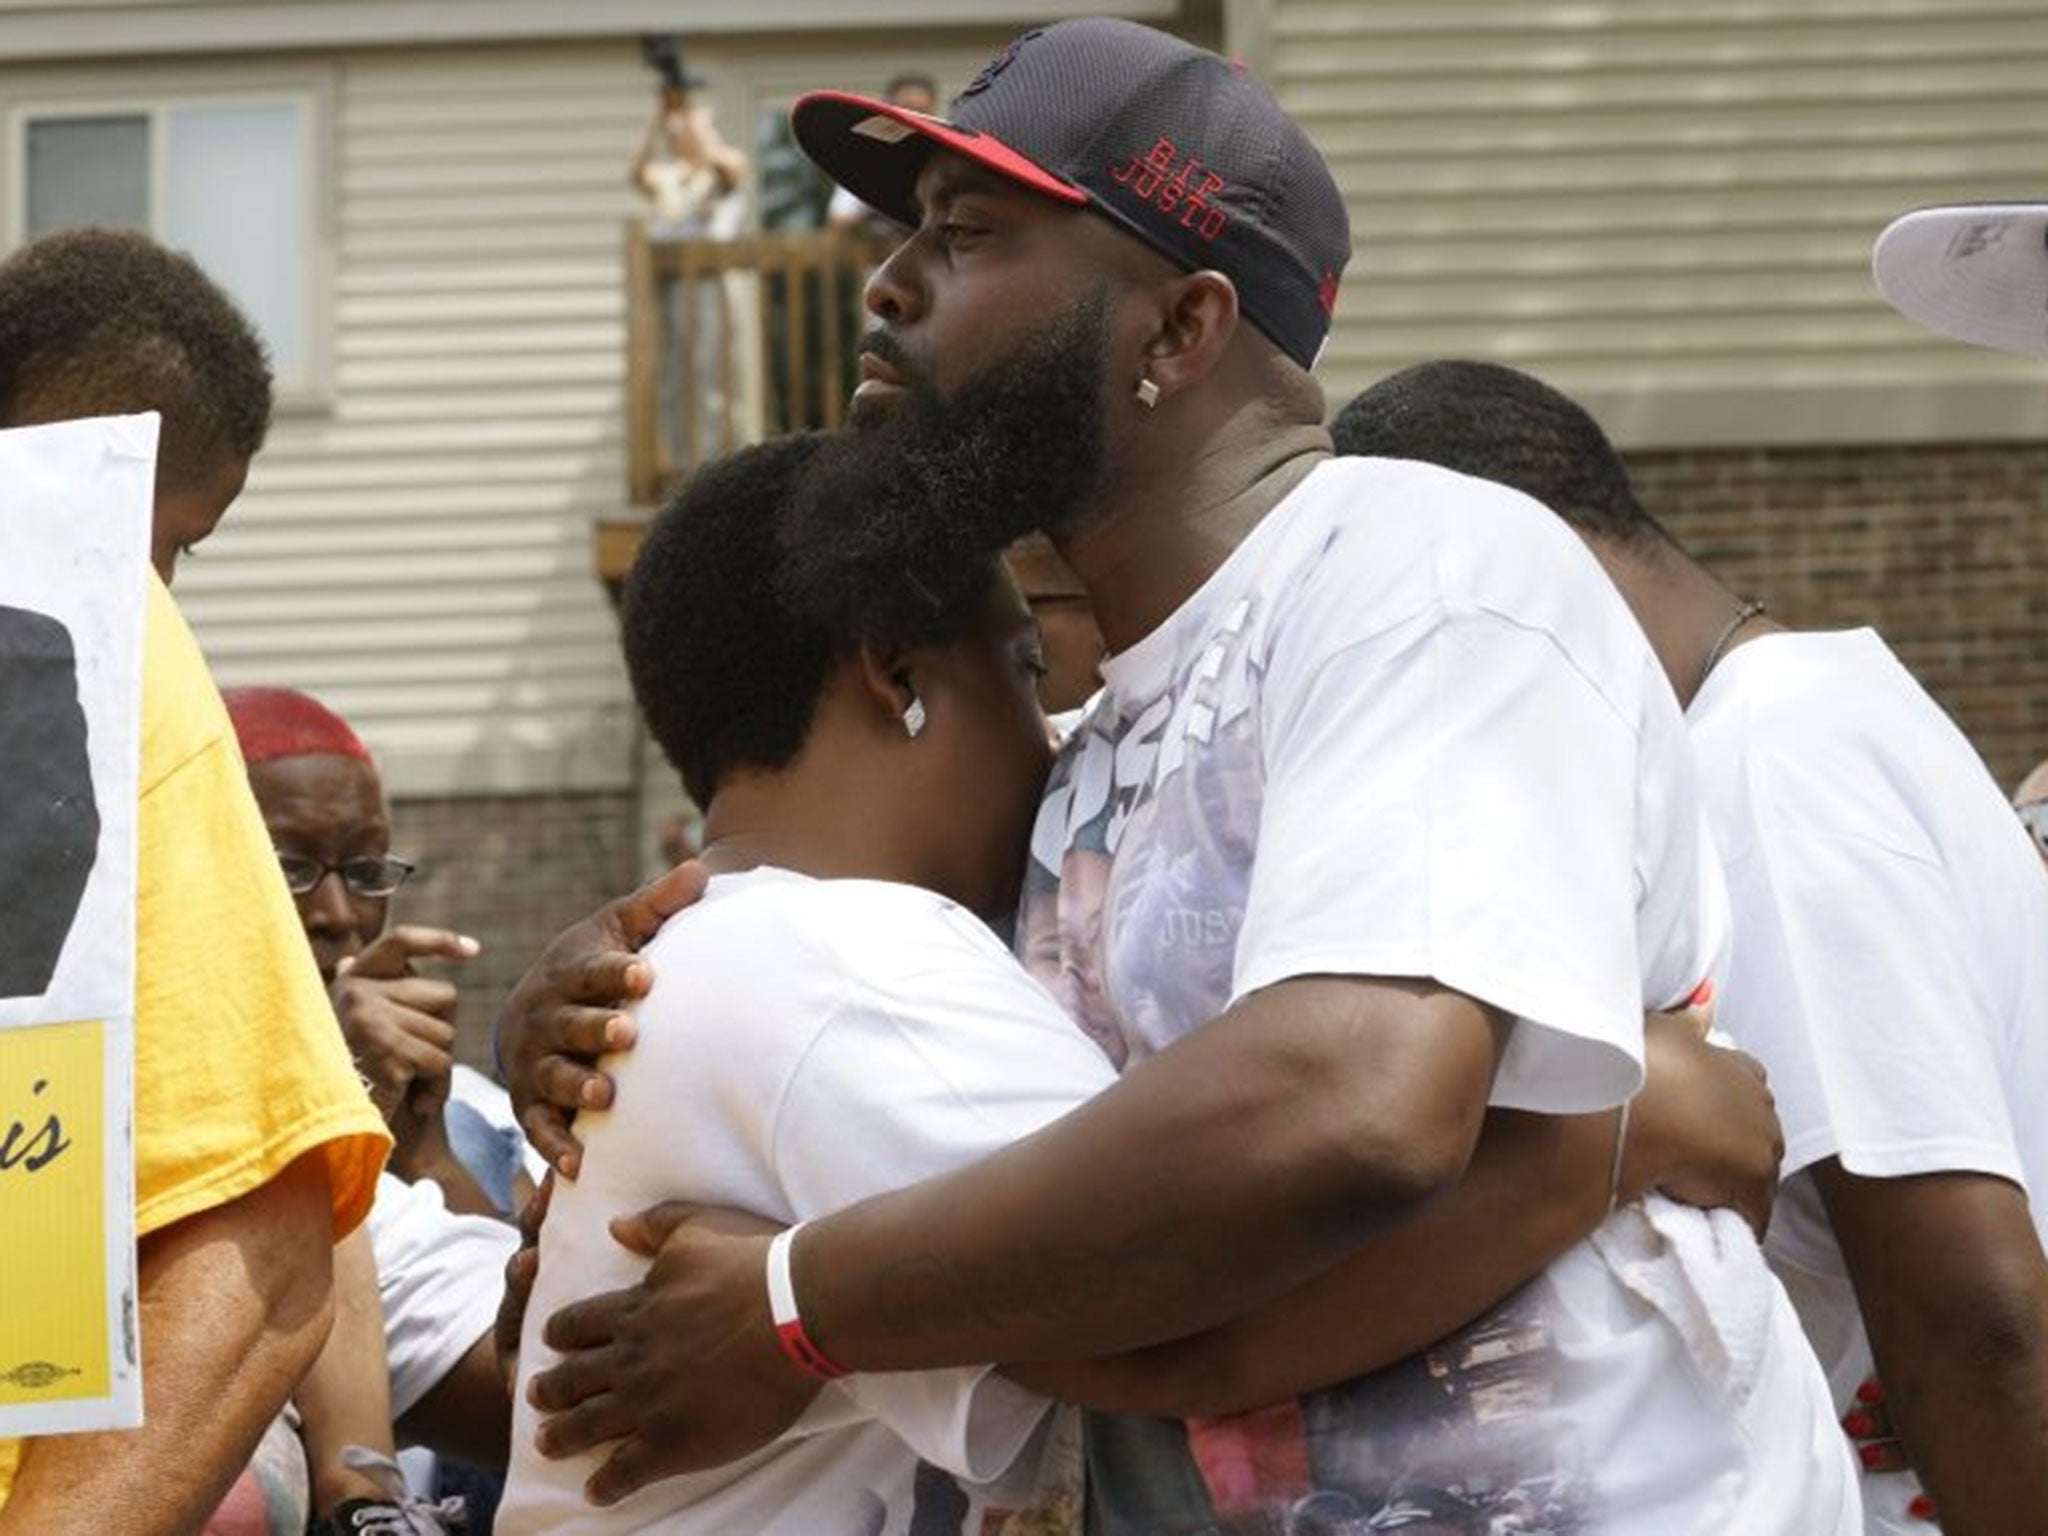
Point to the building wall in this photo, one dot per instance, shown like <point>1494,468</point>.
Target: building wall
<point>414,541</point>
<point>1939,546</point>
<point>71,29</point>
<point>415,547</point>
<point>511,871</point>
<point>1663,206</point>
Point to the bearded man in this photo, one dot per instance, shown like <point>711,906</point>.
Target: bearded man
<point>1382,830</point>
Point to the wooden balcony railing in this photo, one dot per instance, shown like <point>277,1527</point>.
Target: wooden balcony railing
<point>731,341</point>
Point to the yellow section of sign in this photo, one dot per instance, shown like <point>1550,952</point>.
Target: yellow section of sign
<point>53,1286</point>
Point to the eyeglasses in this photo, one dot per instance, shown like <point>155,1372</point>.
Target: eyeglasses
<point>2034,817</point>
<point>367,878</point>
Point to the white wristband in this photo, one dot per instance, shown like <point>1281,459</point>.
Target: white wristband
<point>781,1290</point>
<point>789,1323</point>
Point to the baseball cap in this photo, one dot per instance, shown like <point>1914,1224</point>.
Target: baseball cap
<point>1185,150</point>
<point>1974,271</point>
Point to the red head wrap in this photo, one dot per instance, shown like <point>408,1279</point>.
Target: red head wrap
<point>281,722</point>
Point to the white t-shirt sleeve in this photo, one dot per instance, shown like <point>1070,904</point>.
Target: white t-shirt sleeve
<point>439,1276</point>
<point>913,1077</point>
<point>1475,824</point>
<point>1860,993</point>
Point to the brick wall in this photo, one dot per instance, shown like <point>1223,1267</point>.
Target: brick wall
<point>1943,549</point>
<point>510,871</point>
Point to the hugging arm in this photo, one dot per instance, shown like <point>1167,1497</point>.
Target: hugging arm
<point>1209,1178</point>
<point>1315,1114</point>
<point>686,1348</point>
<point>1537,1184</point>
<point>1253,1154</point>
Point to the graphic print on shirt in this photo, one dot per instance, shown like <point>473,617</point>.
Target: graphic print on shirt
<point>49,822</point>
<point>1135,895</point>
<point>1182,882</point>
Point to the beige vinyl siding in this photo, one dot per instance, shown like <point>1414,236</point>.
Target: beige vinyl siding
<point>1668,206</point>
<point>416,548</point>
<point>31,29</point>
<point>414,542</point>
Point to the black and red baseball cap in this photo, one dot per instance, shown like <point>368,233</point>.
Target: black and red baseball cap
<point>1185,150</point>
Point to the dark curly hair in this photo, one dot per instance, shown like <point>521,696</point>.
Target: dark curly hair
<point>1500,424</point>
<point>729,642</point>
<point>104,322</point>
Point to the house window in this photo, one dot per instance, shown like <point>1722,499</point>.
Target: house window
<point>228,181</point>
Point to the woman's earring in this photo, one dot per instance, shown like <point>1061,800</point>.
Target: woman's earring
<point>913,718</point>
<point>1148,393</point>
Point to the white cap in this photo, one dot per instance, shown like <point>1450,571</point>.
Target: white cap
<point>1978,272</point>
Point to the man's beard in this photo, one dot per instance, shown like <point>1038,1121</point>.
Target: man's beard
<point>904,517</point>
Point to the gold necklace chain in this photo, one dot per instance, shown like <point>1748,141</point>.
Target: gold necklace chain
<point>1749,608</point>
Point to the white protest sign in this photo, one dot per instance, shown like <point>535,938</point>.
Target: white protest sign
<point>75,503</point>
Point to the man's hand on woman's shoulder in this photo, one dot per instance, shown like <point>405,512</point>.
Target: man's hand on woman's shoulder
<point>564,1014</point>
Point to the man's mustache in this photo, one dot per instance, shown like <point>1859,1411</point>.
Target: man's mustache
<point>891,350</point>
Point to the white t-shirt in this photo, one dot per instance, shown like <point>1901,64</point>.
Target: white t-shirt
<point>1408,729</point>
<point>439,1275</point>
<point>1891,963</point>
<point>807,1044</point>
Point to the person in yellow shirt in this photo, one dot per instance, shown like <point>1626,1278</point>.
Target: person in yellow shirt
<point>256,1148</point>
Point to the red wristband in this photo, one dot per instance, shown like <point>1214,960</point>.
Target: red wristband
<point>789,1325</point>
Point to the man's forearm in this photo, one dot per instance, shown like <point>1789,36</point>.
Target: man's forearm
<point>1953,1286</point>
<point>234,1305</point>
<point>1253,1154</point>
<point>1537,1185</point>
